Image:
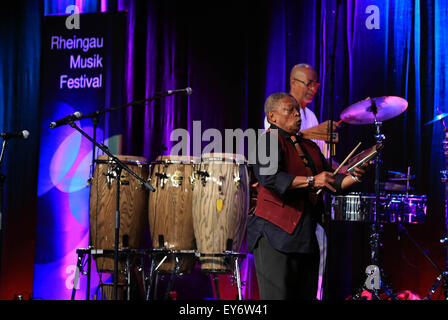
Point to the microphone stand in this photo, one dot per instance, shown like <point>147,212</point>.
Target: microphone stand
<point>2,186</point>
<point>95,122</point>
<point>92,165</point>
<point>119,166</point>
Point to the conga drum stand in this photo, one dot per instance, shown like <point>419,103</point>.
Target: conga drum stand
<point>152,281</point>
<point>157,252</point>
<point>80,270</point>
<point>236,276</point>
<point>125,254</point>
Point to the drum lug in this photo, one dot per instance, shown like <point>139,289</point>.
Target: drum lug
<point>123,180</point>
<point>163,179</point>
<point>192,180</point>
<point>219,183</point>
<point>110,175</point>
<point>236,176</point>
<point>237,180</point>
<point>203,176</point>
<point>177,179</point>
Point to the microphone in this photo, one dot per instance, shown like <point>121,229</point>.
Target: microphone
<point>188,91</point>
<point>66,120</point>
<point>21,135</point>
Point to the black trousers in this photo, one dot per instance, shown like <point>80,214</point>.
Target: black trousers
<point>285,276</point>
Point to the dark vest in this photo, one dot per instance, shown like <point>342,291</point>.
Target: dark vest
<point>285,211</point>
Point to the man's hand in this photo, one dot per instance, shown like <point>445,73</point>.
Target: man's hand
<point>324,179</point>
<point>361,171</point>
<point>357,175</point>
<point>328,123</point>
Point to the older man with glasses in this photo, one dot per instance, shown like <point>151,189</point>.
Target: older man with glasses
<point>303,86</point>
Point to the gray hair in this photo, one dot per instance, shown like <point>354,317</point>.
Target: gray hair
<point>273,100</point>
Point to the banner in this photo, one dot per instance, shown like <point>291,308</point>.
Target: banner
<point>82,70</point>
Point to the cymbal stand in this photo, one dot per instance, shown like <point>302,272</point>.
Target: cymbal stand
<point>374,271</point>
<point>443,276</point>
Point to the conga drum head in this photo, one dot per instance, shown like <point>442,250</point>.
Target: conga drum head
<point>170,212</point>
<point>177,159</point>
<point>132,160</point>
<point>224,157</point>
<point>102,205</point>
<point>220,208</point>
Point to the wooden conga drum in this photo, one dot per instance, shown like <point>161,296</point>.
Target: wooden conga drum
<point>220,208</point>
<point>133,208</point>
<point>170,211</point>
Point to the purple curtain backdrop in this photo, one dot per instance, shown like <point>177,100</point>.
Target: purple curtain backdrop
<point>234,54</point>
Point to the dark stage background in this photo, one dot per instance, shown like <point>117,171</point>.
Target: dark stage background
<point>234,54</point>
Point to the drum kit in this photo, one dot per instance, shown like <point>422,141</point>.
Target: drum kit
<point>198,208</point>
<point>399,207</point>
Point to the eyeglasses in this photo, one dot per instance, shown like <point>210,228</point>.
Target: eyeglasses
<point>310,84</point>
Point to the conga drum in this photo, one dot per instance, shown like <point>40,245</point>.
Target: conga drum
<point>133,208</point>
<point>170,208</point>
<point>220,208</point>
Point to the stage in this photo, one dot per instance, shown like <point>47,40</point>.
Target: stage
<point>172,98</point>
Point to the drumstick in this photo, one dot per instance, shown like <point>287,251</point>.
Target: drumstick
<point>342,163</point>
<point>338,123</point>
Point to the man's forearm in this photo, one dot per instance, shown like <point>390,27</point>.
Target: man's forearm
<point>298,183</point>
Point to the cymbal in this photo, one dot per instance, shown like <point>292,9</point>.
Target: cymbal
<point>389,186</point>
<point>402,179</point>
<point>398,176</point>
<point>363,112</point>
<point>437,118</point>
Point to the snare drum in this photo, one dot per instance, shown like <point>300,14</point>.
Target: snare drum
<point>221,204</point>
<point>170,211</point>
<point>133,207</point>
<point>360,207</point>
